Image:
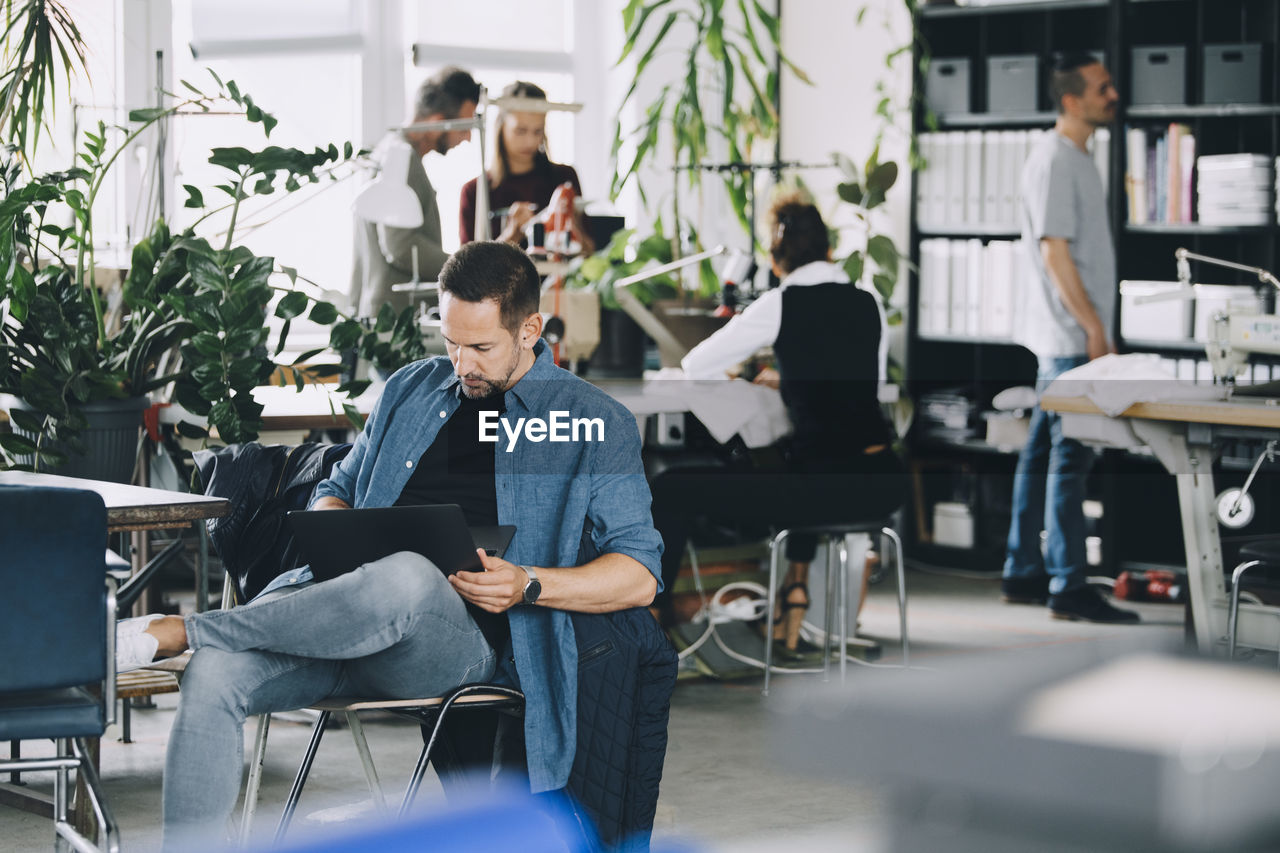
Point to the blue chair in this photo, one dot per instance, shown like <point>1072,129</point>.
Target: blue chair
<point>57,623</point>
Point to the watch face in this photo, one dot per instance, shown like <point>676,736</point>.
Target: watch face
<point>532,590</point>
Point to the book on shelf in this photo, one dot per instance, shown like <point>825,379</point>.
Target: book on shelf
<point>1159,174</point>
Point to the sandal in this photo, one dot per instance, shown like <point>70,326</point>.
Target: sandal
<point>792,613</point>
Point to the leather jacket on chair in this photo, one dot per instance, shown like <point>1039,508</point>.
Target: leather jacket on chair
<point>262,483</point>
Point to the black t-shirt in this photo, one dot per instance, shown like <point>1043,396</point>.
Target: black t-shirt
<point>458,469</point>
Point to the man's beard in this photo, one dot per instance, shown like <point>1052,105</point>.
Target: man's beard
<point>442,142</point>
<point>491,387</point>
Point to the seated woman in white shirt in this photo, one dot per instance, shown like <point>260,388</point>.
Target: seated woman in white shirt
<point>828,338</point>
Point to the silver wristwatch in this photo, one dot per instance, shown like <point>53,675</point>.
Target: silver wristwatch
<point>533,588</point>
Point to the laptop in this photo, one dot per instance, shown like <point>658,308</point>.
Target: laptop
<point>334,542</point>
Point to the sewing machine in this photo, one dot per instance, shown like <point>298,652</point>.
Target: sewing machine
<point>1233,336</point>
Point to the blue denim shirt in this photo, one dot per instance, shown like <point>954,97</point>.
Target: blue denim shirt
<point>548,490</point>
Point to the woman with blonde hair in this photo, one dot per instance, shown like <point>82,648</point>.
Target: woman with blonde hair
<point>521,176</point>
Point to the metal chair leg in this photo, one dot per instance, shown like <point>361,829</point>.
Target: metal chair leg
<point>15,752</point>
<point>828,610</point>
<point>902,594</point>
<point>1235,604</point>
<point>775,549</point>
<point>295,793</point>
<point>366,759</point>
<point>843,602</point>
<point>61,796</point>
<point>254,784</point>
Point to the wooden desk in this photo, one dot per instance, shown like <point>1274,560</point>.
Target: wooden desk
<point>131,507</point>
<point>315,407</point>
<point>1184,437</point>
<point>136,508</point>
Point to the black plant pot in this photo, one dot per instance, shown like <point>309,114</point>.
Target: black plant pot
<point>621,350</point>
<point>110,441</point>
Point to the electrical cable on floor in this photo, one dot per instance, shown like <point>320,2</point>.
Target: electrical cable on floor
<point>716,611</point>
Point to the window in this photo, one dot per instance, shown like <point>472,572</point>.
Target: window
<point>303,66</point>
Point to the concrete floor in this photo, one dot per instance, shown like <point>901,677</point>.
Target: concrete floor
<point>720,788</point>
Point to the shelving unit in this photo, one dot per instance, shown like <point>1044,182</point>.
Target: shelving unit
<point>1138,495</point>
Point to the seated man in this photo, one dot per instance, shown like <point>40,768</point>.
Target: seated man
<point>396,627</point>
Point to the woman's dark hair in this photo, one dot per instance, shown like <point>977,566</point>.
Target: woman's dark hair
<point>501,166</point>
<point>799,236</point>
<point>494,270</point>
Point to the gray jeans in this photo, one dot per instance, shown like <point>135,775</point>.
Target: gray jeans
<point>393,628</point>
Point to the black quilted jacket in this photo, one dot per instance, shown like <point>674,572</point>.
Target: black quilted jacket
<point>626,673</point>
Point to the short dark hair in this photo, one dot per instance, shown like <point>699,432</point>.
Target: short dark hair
<point>494,270</point>
<point>1066,79</point>
<point>444,93</point>
<point>799,236</point>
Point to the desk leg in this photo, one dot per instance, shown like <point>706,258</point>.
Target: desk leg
<point>1197,502</point>
<point>202,567</point>
<point>83,818</point>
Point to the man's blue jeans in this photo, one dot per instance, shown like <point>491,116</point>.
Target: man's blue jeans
<point>393,628</point>
<point>1048,494</point>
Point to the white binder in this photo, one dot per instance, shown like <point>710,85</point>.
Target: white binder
<point>974,291</point>
<point>974,185</point>
<point>957,180</point>
<point>991,175</point>
<point>959,302</point>
<point>924,181</point>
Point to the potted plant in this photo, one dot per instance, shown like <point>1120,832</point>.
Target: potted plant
<point>57,354</point>
<point>621,349</point>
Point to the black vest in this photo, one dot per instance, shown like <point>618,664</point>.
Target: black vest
<point>828,351</point>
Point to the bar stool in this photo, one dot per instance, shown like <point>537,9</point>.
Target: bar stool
<point>1264,553</point>
<point>834,535</point>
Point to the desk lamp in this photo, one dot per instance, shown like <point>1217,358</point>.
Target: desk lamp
<point>668,346</point>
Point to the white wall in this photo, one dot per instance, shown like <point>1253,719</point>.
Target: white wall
<point>837,113</point>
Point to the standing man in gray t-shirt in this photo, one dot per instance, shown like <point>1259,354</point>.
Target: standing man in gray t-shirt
<point>1068,309</point>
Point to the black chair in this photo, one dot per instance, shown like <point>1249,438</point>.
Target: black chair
<point>57,625</point>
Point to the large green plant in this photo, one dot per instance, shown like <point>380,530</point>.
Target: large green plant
<point>732,57</point>
<point>183,293</point>
<point>39,37</point>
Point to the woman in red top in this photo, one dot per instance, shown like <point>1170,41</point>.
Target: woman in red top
<point>521,176</point>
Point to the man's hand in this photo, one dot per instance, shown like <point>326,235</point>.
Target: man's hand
<point>330,502</point>
<point>1097,345</point>
<point>497,589</point>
